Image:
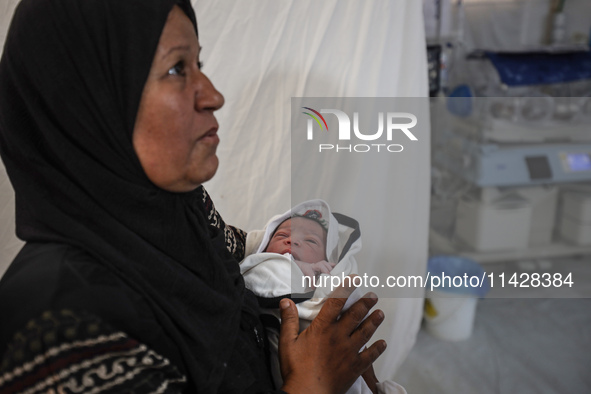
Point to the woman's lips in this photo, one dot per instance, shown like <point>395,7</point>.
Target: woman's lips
<point>210,136</point>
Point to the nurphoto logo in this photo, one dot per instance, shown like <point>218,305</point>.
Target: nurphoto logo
<point>396,123</point>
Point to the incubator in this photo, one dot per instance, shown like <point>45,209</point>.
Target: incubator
<point>514,136</point>
<point>531,97</point>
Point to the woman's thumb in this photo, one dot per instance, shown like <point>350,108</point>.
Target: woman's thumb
<point>290,325</point>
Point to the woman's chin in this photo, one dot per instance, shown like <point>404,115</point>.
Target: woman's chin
<point>204,172</point>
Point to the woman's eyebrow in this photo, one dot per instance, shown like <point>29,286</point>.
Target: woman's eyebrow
<point>176,48</point>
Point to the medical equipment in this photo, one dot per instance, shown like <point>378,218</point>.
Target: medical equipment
<point>530,97</point>
<point>497,219</point>
<point>498,224</point>
<point>517,132</point>
<point>520,119</point>
<point>502,224</point>
<point>512,165</point>
<point>575,220</point>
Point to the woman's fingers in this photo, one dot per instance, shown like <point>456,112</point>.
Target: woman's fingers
<point>288,334</point>
<point>371,379</point>
<point>325,357</point>
<point>334,304</point>
<point>353,317</point>
<point>371,354</point>
<point>290,325</point>
<point>367,328</point>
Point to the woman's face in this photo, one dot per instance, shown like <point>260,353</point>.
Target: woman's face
<point>175,133</point>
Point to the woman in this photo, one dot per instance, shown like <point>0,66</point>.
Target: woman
<point>129,279</point>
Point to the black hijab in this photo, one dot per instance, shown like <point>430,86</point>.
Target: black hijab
<point>71,79</point>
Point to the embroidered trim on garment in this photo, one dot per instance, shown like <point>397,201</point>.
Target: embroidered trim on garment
<point>235,237</point>
<point>67,352</point>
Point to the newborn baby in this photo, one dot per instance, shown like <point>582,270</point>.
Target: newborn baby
<point>304,237</point>
<point>289,258</point>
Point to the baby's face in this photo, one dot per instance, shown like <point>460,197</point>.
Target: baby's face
<point>304,238</point>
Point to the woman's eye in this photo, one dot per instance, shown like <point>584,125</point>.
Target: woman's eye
<point>177,69</point>
<point>199,64</point>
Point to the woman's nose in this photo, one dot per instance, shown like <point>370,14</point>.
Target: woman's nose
<point>207,97</point>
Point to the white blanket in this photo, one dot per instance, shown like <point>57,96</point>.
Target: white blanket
<point>271,275</point>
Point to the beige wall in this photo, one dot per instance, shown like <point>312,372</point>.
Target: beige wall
<point>9,244</point>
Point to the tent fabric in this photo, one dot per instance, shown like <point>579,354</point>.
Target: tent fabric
<point>262,53</point>
<point>259,58</point>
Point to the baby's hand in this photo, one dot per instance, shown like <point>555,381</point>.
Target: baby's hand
<point>322,267</point>
<point>315,269</point>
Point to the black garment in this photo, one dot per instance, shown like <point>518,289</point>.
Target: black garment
<point>71,79</point>
<point>50,278</point>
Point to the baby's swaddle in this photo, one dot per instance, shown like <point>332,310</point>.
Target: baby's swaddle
<point>271,276</point>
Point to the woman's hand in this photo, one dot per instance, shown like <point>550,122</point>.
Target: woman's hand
<point>371,379</point>
<point>325,357</point>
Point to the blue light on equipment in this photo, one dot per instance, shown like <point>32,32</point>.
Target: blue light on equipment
<point>579,162</point>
